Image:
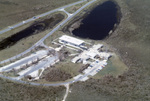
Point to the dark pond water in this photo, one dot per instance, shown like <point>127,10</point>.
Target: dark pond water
<point>36,28</point>
<point>99,22</point>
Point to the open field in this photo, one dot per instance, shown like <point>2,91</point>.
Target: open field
<point>21,46</point>
<point>53,37</point>
<point>15,11</point>
<point>83,93</point>
<point>25,43</point>
<point>114,67</point>
<point>131,40</point>
<point>74,8</point>
<point>56,75</point>
<point>11,91</point>
<point>26,25</point>
<point>69,67</point>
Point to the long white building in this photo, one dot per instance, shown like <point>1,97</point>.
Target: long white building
<point>71,41</point>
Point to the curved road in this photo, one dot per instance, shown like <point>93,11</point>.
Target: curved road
<point>29,20</point>
<point>41,41</point>
<point>36,17</point>
<point>55,84</point>
<point>44,14</point>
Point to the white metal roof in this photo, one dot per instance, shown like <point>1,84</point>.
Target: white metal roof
<point>91,54</point>
<point>71,39</point>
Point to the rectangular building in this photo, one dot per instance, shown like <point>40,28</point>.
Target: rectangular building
<point>71,40</point>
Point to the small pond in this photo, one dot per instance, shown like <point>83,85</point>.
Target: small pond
<point>99,22</point>
<point>36,28</point>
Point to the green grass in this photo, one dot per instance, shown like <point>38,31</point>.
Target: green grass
<point>114,67</point>
<point>74,8</point>
<point>131,36</point>
<point>82,93</point>
<point>11,91</point>
<point>69,67</point>
<point>23,44</point>
<point>51,38</point>
<point>15,11</point>
<point>131,41</point>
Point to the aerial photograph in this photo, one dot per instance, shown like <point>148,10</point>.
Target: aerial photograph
<point>74,50</point>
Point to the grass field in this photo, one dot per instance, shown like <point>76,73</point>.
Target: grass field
<point>12,12</point>
<point>23,44</point>
<point>69,67</point>
<point>74,8</point>
<point>53,37</point>
<point>114,67</point>
<point>11,91</point>
<point>131,40</point>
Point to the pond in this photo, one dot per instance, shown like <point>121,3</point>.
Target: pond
<point>36,28</point>
<point>99,22</point>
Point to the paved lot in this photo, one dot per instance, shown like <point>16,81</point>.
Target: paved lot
<point>23,61</point>
<point>42,64</point>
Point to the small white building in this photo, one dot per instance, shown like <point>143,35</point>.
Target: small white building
<point>71,41</point>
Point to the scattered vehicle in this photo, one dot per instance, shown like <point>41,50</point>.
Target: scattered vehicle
<point>91,66</point>
<point>10,27</point>
<point>34,17</point>
<point>23,22</point>
<point>97,62</point>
